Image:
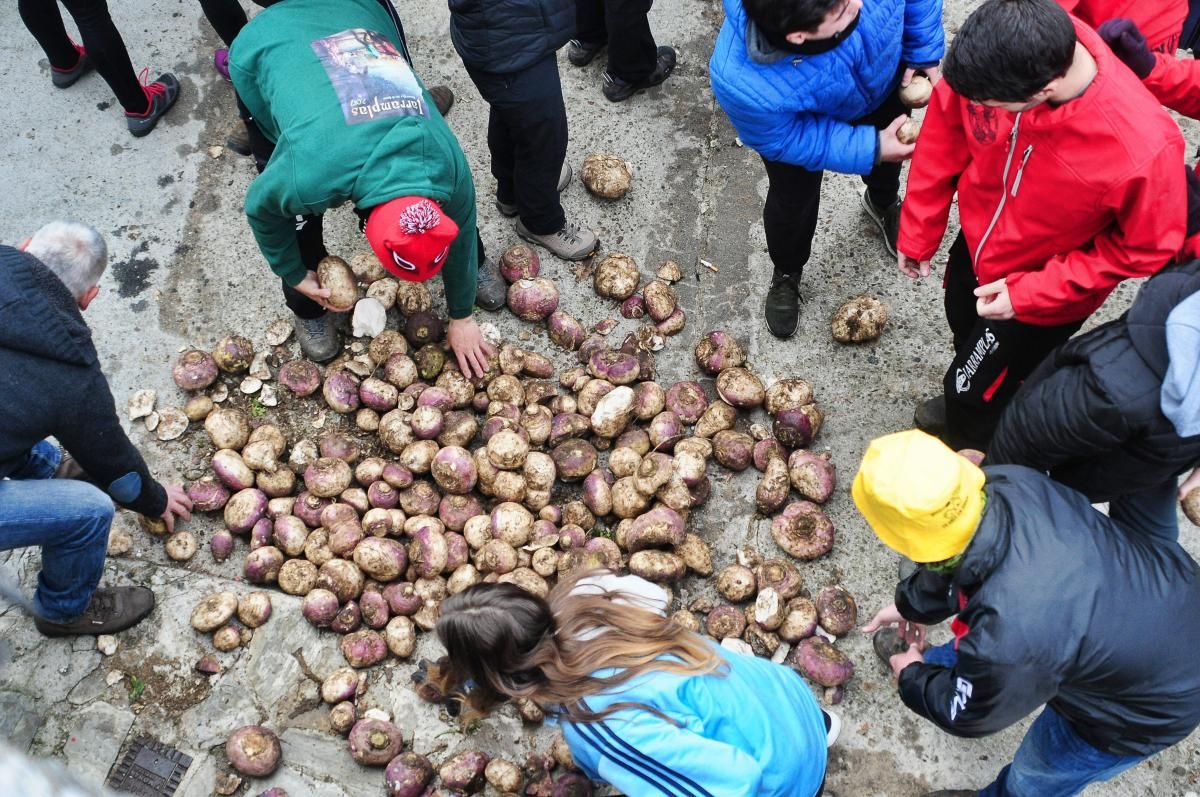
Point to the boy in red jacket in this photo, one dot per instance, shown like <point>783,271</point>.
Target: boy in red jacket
<point>1069,178</point>
<point>1161,20</point>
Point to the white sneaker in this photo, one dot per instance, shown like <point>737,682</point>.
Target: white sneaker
<point>834,727</point>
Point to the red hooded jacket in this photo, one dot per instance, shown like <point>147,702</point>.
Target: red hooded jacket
<point>1063,202</point>
<point>1160,21</point>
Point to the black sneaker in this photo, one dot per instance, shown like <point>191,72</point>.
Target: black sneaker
<point>782,306</point>
<point>112,609</point>
<point>161,94</point>
<point>617,90</point>
<point>443,98</point>
<point>238,140</point>
<point>491,290</point>
<point>930,415</point>
<point>62,78</point>
<point>583,53</point>
<point>887,643</point>
<point>318,337</point>
<point>886,219</point>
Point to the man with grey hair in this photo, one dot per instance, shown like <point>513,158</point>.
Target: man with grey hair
<point>51,385</point>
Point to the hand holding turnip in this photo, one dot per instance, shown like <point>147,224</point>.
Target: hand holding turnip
<point>910,632</point>
<point>911,267</point>
<point>902,660</point>
<point>891,148</point>
<point>178,506</point>
<point>993,301</point>
<point>310,286</point>
<point>470,349</point>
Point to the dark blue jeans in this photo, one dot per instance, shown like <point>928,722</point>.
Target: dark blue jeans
<point>1052,761</point>
<point>1153,513</point>
<point>68,519</point>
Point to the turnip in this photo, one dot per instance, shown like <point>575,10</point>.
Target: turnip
<point>342,717</point>
<point>254,609</point>
<point>400,371</point>
<point>624,461</point>
<point>402,599</point>
<point>253,751</point>
<point>762,642</point>
<point>657,565</point>
<point>197,408</point>
<point>820,662</point>
<point>233,354</point>
<point>917,93</point>
<point>208,665</point>
<point>733,449</point>
<point>278,507</point>
<point>1191,505</point>
<point>781,576</point>
<point>297,576</point>
<point>300,376</point>
<point>574,459</point>
<point>261,533</point>
<point>659,528</point>
<point>496,556</point>
<point>244,509</point>
<point>262,565</point>
<point>614,367</point>
<point>718,417</point>
<point>527,579</point>
<point>512,523</point>
<point>345,536</point>
<point>769,609</point>
<point>736,583</point>
<point>538,423</point>
<point>422,328</point>
<point>463,773</point>
<point>340,391</point>
<point>616,277</point>
<point>381,558</point>
<point>194,370</point>
<point>227,638</point>
<point>336,275</point>
<point>408,775</point>
<point>280,484</point>
<point>907,133</point>
<point>799,620</point>
<point>812,475</point>
<point>207,494</point>
<point>381,495</point>
<point>597,492</point>
<point>772,490</point>
<point>458,429</point>
<point>412,297</point>
<point>740,388</point>
<point>355,497</point>
<point>687,400</point>
<point>344,683</point>
<point>565,330</point>
<point>577,513</point>
<point>400,636</point>
<point>696,555</point>
<point>227,428</point>
<point>533,299</point>
<point>213,611</point>
<point>803,530</point>
<point>428,551</point>
<point>859,320</point>
<point>337,512</point>
<point>342,578</point>
<point>568,425</point>
<point>796,428</point>
<point>387,343</point>
<point>788,394</point>
<point>419,499</point>
<point>374,742</point>
<point>327,477</point>
<point>504,776</point>
<point>303,454</point>
<point>836,610</point>
<point>660,300</point>
<point>464,576</point>
<point>518,262</point>
<point>221,545</point>
<point>571,536</point>
<point>725,621</point>
<point>377,394</point>
<point>363,648</point>
<point>613,412</point>
<point>628,501</point>
<point>666,429</point>
<point>377,522</point>
<point>320,606</point>
<point>316,547</point>
<point>765,451</point>
<point>689,466</point>
<point>672,324</point>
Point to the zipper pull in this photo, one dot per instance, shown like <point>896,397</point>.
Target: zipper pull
<point>1021,170</point>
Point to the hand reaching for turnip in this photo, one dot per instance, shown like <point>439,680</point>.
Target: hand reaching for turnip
<point>310,286</point>
<point>470,349</point>
<point>910,632</point>
<point>902,660</point>
<point>178,506</point>
<point>993,301</point>
<point>934,73</point>
<point>911,267</point>
<point>891,148</point>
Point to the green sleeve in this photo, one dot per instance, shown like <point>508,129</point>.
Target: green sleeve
<point>274,229</point>
<point>462,264</point>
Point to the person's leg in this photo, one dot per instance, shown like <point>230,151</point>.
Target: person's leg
<point>41,462</point>
<point>589,21</point>
<point>45,22</point>
<point>632,53</point>
<point>493,88</point>
<point>883,182</point>
<point>790,215</point>
<point>1054,760</point>
<point>227,18</point>
<point>959,294</point>
<point>310,237</point>
<point>537,118</point>
<point>106,49</point>
<point>1153,513</point>
<point>70,521</point>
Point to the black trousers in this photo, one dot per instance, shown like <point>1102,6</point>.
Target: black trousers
<point>527,137</point>
<point>794,196</point>
<point>100,37</point>
<point>624,24</point>
<point>991,358</point>
<point>226,16</point>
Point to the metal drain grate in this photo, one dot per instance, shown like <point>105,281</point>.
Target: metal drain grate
<point>151,769</point>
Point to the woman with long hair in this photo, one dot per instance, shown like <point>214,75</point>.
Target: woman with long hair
<point>645,704</point>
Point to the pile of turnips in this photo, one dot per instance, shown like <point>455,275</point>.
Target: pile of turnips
<point>376,486</point>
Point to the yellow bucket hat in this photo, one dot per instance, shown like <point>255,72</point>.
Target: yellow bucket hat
<point>920,498</point>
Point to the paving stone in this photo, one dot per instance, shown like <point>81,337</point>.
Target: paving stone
<point>94,739</point>
<point>19,719</point>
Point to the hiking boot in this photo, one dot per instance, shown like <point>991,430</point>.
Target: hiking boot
<point>238,140</point>
<point>161,95</point>
<point>617,90</point>
<point>564,179</point>
<point>443,98</point>
<point>833,726</point>
<point>583,53</point>
<point>886,219</point>
<point>887,643</point>
<point>782,306</point>
<point>318,337</point>
<point>62,78</point>
<point>490,288</point>
<point>906,568</point>
<point>112,609</point>
<point>930,415</point>
<point>569,243</point>
<point>221,63</point>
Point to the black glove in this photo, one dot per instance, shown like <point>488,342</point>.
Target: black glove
<point>1193,202</point>
<point>1128,43</point>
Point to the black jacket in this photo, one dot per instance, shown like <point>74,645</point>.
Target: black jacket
<point>1059,606</point>
<point>1090,414</point>
<point>506,36</point>
<point>51,386</point>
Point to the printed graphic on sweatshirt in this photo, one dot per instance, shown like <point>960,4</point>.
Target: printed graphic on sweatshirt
<point>370,76</point>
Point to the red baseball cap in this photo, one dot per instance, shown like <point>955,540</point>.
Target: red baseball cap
<point>411,236</point>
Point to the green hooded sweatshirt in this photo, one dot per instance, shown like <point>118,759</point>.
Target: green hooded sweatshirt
<point>327,81</point>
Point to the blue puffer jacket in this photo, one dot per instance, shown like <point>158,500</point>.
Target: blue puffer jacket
<point>506,36</point>
<point>798,108</point>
